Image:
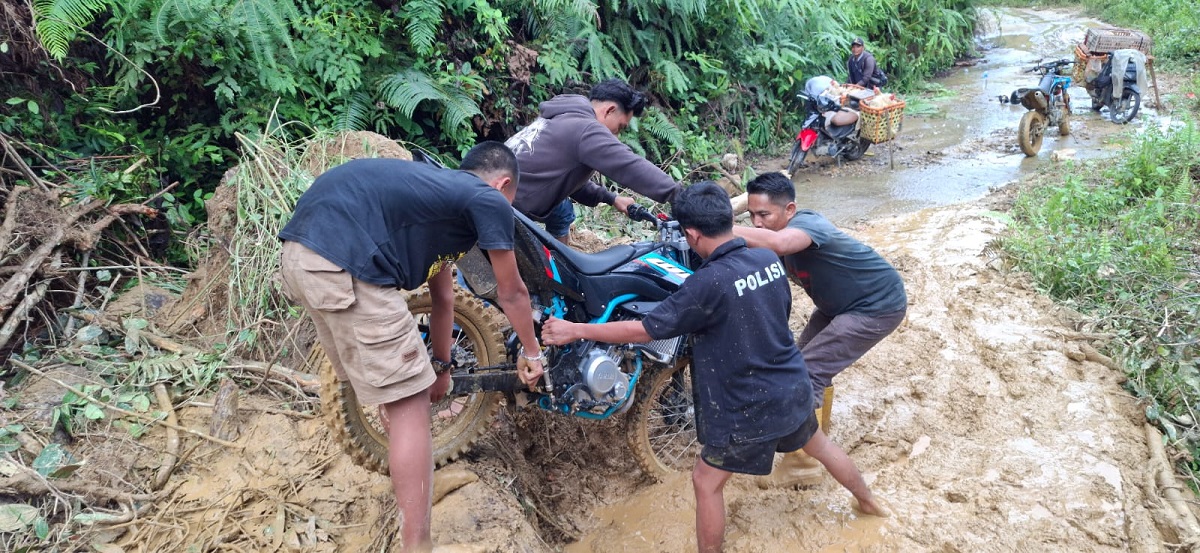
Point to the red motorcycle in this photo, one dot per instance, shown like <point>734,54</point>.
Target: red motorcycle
<point>830,128</point>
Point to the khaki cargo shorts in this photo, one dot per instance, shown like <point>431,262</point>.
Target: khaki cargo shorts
<point>368,333</point>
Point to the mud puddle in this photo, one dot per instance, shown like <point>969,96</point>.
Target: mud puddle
<point>969,145</point>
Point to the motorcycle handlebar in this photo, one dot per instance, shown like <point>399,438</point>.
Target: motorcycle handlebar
<point>639,213</point>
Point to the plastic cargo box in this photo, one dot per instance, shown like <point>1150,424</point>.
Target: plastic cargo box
<point>1106,39</point>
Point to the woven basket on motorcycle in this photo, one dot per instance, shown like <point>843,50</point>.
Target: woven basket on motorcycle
<point>844,92</point>
<point>1087,64</point>
<point>882,117</point>
<point>1107,39</point>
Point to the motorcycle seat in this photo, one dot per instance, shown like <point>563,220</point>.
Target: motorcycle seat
<point>597,263</point>
<point>587,263</point>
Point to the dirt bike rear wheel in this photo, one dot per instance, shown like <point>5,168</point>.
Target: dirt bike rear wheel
<point>858,151</point>
<point>456,422</point>
<point>1029,134</point>
<point>1125,109</point>
<point>662,426</point>
<point>797,158</point>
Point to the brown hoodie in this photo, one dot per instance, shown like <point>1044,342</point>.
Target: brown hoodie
<point>560,151</point>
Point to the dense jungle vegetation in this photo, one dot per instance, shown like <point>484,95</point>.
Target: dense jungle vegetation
<point>174,81</point>
<point>1118,239</point>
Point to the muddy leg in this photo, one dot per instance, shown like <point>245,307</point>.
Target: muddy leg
<point>709,485</point>
<point>843,470</point>
<point>410,460</point>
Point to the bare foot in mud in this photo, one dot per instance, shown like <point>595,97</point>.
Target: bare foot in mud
<point>873,507</point>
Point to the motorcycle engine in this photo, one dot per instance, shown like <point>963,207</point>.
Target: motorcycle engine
<point>602,383</point>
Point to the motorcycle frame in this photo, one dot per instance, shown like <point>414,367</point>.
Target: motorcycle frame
<point>568,294</point>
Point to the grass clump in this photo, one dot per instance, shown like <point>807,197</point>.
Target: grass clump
<point>1121,244</point>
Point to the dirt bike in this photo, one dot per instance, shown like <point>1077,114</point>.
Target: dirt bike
<point>1049,105</point>
<point>584,379</point>
<point>1121,108</point>
<point>837,135</point>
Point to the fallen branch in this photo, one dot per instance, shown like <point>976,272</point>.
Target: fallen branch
<point>10,219</point>
<point>28,484</point>
<point>11,288</point>
<point>1180,515</point>
<point>21,313</point>
<point>172,456</point>
<point>125,412</point>
<point>20,163</point>
<point>307,382</point>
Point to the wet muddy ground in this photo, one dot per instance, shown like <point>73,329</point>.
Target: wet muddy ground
<point>983,422</point>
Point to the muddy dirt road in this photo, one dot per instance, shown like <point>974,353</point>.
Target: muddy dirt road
<point>985,422</point>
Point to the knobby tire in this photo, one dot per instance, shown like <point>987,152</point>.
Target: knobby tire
<point>456,422</point>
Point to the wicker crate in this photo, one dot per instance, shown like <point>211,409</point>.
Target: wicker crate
<point>1107,39</point>
<point>881,124</point>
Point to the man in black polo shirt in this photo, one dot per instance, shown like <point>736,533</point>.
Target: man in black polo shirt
<point>753,397</point>
<point>369,227</point>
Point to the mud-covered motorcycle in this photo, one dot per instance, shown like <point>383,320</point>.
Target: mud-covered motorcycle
<point>829,127</point>
<point>584,379</point>
<point>1048,105</point>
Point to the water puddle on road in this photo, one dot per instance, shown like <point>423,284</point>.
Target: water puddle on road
<point>969,145</point>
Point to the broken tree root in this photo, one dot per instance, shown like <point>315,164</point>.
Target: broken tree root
<point>172,455</point>
<point>125,412</point>
<point>306,382</point>
<point>28,484</point>
<point>1162,482</point>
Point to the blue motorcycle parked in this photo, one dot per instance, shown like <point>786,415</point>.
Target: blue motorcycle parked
<point>1049,105</point>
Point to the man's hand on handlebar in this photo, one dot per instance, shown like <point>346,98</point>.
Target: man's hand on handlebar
<point>622,204</point>
<point>639,213</point>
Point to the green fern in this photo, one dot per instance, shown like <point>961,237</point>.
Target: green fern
<point>354,114</point>
<point>599,56</point>
<point>655,122</point>
<point>56,22</point>
<point>422,19</point>
<point>264,26</point>
<point>674,80</point>
<point>407,89</point>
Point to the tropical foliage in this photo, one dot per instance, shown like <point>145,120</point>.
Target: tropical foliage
<point>175,80</point>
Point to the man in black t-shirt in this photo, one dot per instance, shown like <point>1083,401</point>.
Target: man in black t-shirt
<point>752,392</point>
<point>370,227</point>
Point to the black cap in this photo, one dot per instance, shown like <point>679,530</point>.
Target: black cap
<point>857,42</point>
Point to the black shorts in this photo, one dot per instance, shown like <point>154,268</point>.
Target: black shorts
<point>757,458</point>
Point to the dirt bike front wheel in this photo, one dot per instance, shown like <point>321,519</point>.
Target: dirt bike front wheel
<point>662,426</point>
<point>1029,134</point>
<point>1125,109</point>
<point>456,422</point>
<point>796,160</point>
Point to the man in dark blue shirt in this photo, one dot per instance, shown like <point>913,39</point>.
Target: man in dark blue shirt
<point>364,230</point>
<point>752,392</point>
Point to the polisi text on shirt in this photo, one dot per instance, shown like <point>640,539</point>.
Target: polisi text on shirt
<point>752,282</point>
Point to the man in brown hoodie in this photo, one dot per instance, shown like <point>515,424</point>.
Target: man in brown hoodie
<point>572,139</point>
